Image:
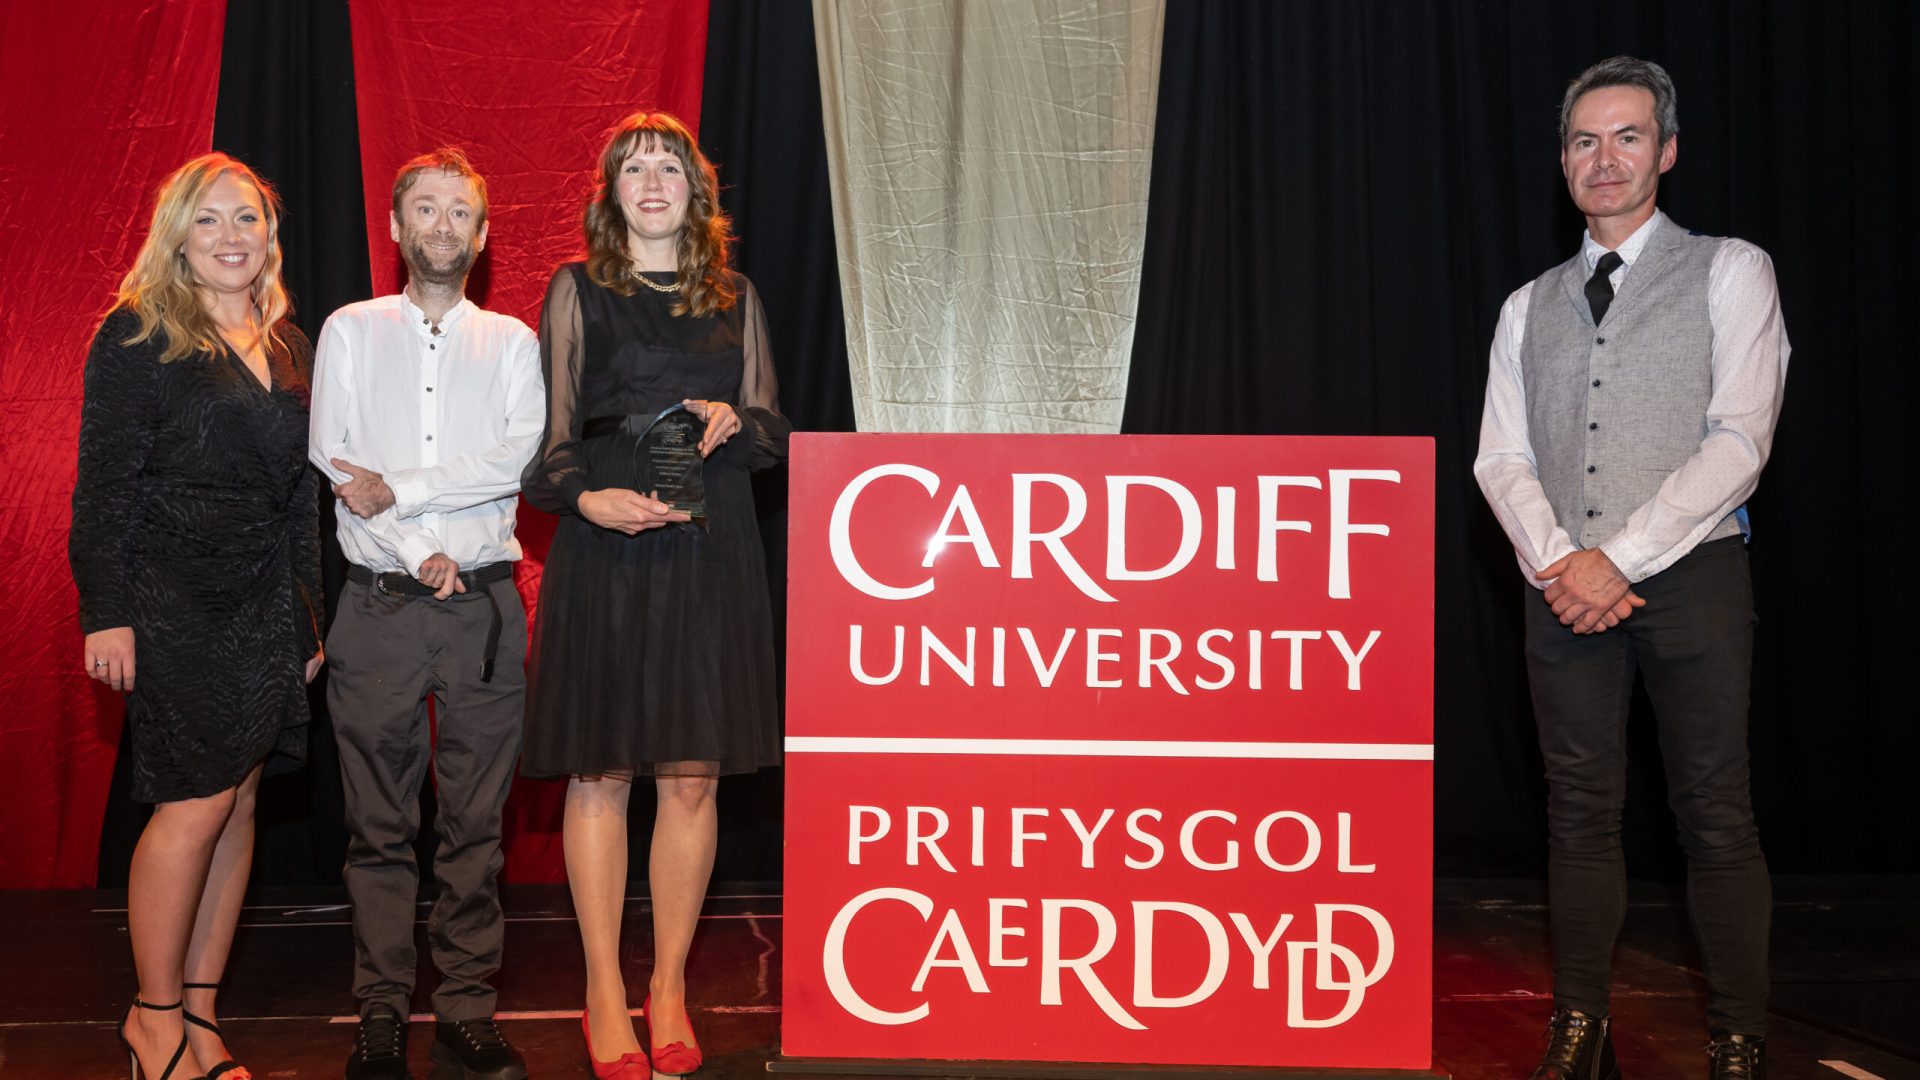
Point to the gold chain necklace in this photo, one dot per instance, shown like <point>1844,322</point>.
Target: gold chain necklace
<point>634,272</point>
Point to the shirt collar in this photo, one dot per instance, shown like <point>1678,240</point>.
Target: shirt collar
<point>418,320</point>
<point>1590,249</point>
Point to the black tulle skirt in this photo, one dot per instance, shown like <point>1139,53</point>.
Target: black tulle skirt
<point>655,649</point>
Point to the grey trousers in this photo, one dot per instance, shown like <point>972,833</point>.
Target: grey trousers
<point>387,656</point>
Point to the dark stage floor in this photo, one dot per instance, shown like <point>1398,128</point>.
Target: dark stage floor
<point>1846,982</point>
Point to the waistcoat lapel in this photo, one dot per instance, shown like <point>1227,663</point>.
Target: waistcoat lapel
<point>1573,281</point>
<point>1654,260</point>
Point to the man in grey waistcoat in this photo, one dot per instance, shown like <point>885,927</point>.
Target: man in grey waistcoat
<point>1631,403</point>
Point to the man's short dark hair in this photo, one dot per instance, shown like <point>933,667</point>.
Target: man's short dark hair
<point>1627,71</point>
<point>450,160</point>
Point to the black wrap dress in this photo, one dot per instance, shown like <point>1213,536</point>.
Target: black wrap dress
<point>196,523</point>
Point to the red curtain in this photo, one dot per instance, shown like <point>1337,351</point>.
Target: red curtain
<point>529,99</point>
<point>103,99</point>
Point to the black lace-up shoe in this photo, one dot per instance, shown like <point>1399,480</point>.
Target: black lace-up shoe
<point>1738,1057</point>
<point>474,1050</point>
<point>379,1046</point>
<point>1579,1047</point>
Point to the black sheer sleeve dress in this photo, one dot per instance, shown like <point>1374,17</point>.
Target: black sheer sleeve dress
<point>658,648</point>
<point>196,523</point>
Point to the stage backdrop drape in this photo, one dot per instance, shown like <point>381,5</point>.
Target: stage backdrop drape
<point>990,166</point>
<point>530,100</point>
<point>102,100</point>
<point>1343,194</point>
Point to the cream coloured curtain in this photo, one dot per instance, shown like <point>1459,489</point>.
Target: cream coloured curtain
<point>989,162</point>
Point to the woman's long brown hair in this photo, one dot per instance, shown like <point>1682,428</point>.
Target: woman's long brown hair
<point>705,239</point>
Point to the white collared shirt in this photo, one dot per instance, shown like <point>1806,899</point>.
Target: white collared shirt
<point>1629,250</point>
<point>1750,353</point>
<point>449,415</point>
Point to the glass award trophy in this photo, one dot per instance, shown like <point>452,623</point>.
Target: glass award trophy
<point>667,461</point>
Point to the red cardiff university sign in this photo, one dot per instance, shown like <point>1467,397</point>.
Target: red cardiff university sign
<point>1110,749</point>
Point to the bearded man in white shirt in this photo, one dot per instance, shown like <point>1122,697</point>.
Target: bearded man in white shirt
<point>425,410</point>
<point>1631,403</point>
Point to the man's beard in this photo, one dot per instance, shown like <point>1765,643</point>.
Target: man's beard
<point>421,267</point>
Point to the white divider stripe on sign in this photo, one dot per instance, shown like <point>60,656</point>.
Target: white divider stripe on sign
<point>822,744</point>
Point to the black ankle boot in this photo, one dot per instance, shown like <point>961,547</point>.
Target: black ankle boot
<point>475,1050</point>
<point>1738,1057</point>
<point>1579,1047</point>
<point>379,1046</point>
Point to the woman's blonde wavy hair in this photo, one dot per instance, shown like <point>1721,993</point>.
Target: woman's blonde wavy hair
<point>705,240</point>
<point>160,288</point>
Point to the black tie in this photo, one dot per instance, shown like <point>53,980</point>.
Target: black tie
<point>1600,288</point>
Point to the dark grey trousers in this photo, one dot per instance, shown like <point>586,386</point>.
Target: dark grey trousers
<point>387,655</point>
<point>1693,644</point>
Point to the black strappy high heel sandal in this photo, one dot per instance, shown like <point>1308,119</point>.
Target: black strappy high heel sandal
<point>133,1059</point>
<point>226,1066</point>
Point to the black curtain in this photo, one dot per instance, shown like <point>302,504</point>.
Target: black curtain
<point>760,124</point>
<point>286,107</point>
<point>1344,193</point>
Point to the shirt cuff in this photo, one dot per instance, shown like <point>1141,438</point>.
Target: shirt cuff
<point>1547,558</point>
<point>1621,554</point>
<point>413,552</point>
<point>409,495</point>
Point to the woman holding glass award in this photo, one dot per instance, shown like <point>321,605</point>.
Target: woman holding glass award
<point>653,650</point>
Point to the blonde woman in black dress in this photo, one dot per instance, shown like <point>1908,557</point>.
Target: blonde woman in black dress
<point>653,647</point>
<point>195,547</point>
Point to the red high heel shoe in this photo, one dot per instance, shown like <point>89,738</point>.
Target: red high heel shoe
<point>629,1066</point>
<point>675,1058</point>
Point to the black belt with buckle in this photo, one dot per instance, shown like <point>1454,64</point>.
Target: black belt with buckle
<point>396,583</point>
